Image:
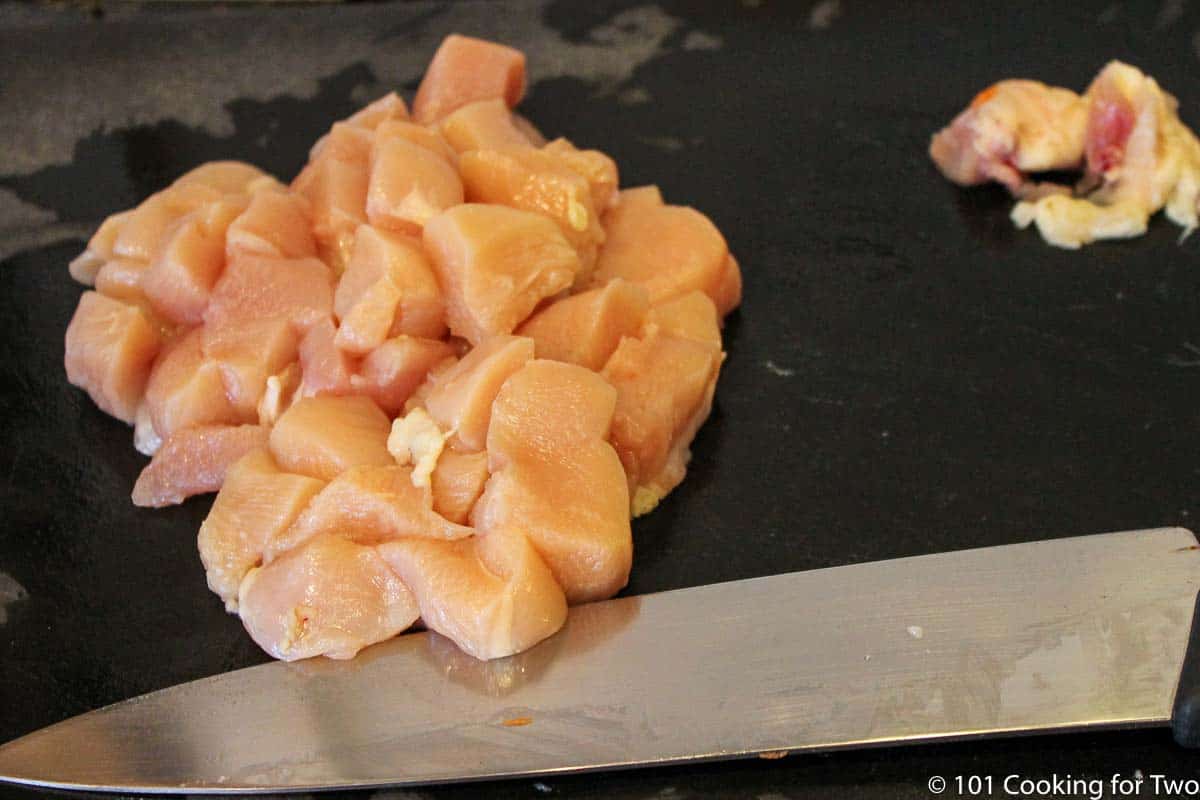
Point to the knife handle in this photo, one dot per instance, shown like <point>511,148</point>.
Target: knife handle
<point>1185,716</point>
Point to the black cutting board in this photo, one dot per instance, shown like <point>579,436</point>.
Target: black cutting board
<point>907,374</point>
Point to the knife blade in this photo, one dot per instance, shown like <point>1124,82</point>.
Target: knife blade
<point>1061,635</point>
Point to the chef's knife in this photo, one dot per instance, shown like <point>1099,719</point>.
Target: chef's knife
<point>1070,634</point>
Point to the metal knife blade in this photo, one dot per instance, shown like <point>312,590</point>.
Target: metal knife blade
<point>1068,634</point>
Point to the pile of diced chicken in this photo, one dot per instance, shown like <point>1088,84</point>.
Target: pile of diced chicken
<point>1123,133</point>
<point>433,378</point>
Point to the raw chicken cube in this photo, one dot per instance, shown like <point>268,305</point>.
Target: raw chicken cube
<point>100,249</point>
<point>464,70</point>
<point>483,125</point>
<point>429,138</point>
<point>388,288</point>
<point>344,142</point>
<point>141,233</point>
<point>254,288</point>
<point>330,597</point>
<point>257,501</point>
<point>599,170</point>
<point>121,278</point>
<point>664,389</point>
<point>325,436</point>
<point>585,328</point>
<point>391,373</point>
<point>537,181</point>
<point>228,177</point>
<point>275,224</point>
<point>194,461</point>
<point>181,277</point>
<point>326,367</point>
<point>186,389</point>
<point>495,265</point>
<point>491,595</point>
<point>556,480</point>
<point>335,185</point>
<point>691,316</point>
<point>409,184</point>
<point>367,505</point>
<point>110,348</point>
<point>457,482</point>
<point>248,352</point>
<point>670,250</point>
<point>460,398</point>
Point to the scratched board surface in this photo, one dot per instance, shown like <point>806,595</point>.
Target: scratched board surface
<point>908,373</point>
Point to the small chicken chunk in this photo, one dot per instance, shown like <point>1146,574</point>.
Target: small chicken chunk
<point>330,597</point>
<point>326,368</point>
<point>483,125</point>
<point>465,70</point>
<point>110,348</point>
<point>367,505</point>
<point>495,264</point>
<point>409,185</point>
<point>186,388</point>
<point>277,224</point>
<point>389,288</point>
<point>664,386</point>
<point>585,328</point>
<point>325,436</point>
<point>194,461</point>
<point>557,480</point>
<point>491,595</point>
<point>254,288</point>
<point>257,501</point>
<point>669,250</point>
<point>460,398</point>
<point>392,372</point>
<point>457,482</point>
<point>541,182</point>
<point>248,352</point>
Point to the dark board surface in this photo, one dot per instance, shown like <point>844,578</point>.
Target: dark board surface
<point>908,373</point>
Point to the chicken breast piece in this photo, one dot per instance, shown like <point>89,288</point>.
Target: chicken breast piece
<point>460,398</point>
<point>483,125</point>
<point>465,70</point>
<point>186,389</point>
<point>389,288</point>
<point>541,182</point>
<point>110,348</point>
<point>495,264</point>
<point>393,371</point>
<point>367,505</point>
<point>194,461</point>
<point>491,595</point>
<point>665,382</point>
<point>330,597</point>
<point>327,435</point>
<point>585,328</point>
<point>555,478</point>
<point>257,501</point>
<point>669,250</point>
